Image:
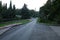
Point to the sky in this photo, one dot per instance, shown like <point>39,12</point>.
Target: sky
<point>31,4</point>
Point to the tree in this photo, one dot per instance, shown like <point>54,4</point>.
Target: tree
<point>46,11</point>
<point>10,12</point>
<point>33,13</point>
<point>25,12</point>
<point>0,8</point>
<point>51,11</point>
<point>14,11</point>
<point>0,11</point>
<point>4,11</point>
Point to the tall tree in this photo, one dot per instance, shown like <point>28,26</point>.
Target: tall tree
<point>25,12</point>
<point>0,10</point>
<point>10,12</point>
<point>14,11</point>
<point>4,10</point>
<point>0,6</point>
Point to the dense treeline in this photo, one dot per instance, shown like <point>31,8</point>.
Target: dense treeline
<point>7,14</point>
<point>50,11</point>
<point>12,13</point>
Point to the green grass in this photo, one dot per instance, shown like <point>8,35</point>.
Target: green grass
<point>14,22</point>
<point>46,22</point>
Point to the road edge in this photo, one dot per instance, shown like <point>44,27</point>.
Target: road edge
<point>56,29</point>
<point>6,28</point>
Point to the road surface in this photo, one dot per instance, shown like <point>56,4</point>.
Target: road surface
<point>30,31</point>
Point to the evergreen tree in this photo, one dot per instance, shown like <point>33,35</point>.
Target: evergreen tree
<point>25,12</point>
<point>0,11</point>
<point>10,12</point>
<point>4,11</point>
<point>14,11</point>
<point>0,8</point>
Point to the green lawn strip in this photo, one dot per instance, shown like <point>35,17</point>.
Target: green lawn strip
<point>14,22</point>
<point>46,22</point>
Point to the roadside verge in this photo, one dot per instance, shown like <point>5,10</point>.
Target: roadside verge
<point>3,28</point>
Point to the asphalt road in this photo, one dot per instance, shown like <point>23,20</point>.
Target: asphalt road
<point>30,31</point>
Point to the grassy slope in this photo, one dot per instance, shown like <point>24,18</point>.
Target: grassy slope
<point>14,22</point>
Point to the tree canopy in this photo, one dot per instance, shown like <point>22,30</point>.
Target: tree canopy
<point>11,13</point>
<point>50,11</point>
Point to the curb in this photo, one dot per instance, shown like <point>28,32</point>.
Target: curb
<point>6,28</point>
<point>9,26</point>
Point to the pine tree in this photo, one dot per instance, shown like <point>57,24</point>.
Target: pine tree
<point>4,11</point>
<point>10,12</point>
<point>14,11</point>
<point>0,7</point>
<point>0,11</point>
<point>25,12</point>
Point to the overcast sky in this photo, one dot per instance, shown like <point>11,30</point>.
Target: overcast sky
<point>31,4</point>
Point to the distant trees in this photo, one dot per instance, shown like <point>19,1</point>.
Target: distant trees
<point>7,13</point>
<point>50,11</point>
<point>11,13</point>
<point>25,12</point>
<point>34,13</point>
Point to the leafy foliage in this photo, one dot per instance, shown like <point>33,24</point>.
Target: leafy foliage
<point>50,11</point>
<point>25,12</point>
<point>11,13</point>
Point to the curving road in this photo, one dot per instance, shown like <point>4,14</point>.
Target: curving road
<point>30,31</point>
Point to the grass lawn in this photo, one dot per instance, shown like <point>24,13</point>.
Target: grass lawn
<point>47,22</point>
<point>14,22</point>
